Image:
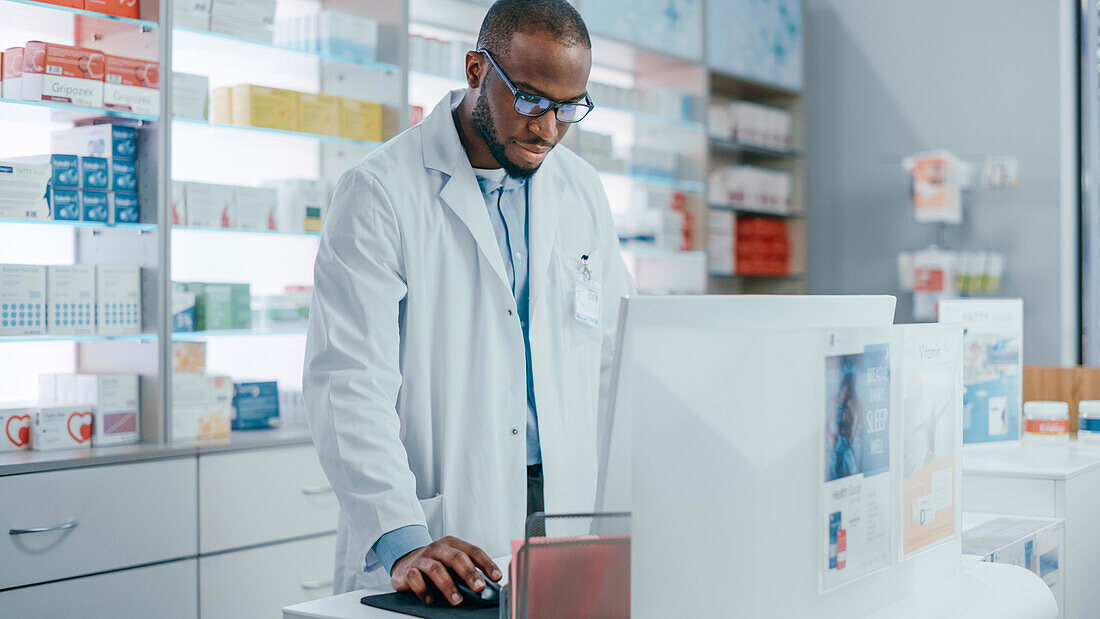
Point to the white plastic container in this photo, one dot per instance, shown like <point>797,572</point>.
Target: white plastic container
<point>1046,421</point>
<point>1088,421</point>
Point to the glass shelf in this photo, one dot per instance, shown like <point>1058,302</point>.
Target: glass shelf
<point>753,211</point>
<point>295,134</point>
<point>64,111</point>
<point>53,7</point>
<point>246,231</point>
<point>734,146</point>
<point>676,183</point>
<point>82,224</point>
<point>382,66</point>
<point>792,277</point>
<point>137,337</point>
<point>202,336</point>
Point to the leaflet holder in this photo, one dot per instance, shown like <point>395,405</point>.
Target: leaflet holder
<point>571,565</point>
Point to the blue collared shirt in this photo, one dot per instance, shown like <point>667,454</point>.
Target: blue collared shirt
<point>506,201</point>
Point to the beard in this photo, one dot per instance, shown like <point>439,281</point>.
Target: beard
<point>483,124</point>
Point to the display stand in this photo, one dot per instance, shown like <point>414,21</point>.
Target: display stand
<point>1048,481</point>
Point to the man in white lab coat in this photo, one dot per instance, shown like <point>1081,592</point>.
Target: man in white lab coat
<point>467,289</point>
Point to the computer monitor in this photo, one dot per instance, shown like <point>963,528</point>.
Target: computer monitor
<point>721,313</point>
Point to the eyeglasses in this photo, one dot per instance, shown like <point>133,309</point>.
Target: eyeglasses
<point>535,105</point>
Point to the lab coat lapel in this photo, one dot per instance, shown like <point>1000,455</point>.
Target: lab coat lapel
<point>544,198</point>
<point>460,192</point>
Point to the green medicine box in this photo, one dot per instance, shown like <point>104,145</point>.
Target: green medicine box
<point>221,306</point>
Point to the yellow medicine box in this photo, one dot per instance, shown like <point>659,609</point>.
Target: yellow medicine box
<point>319,114</point>
<point>260,106</point>
<point>221,106</point>
<point>360,120</point>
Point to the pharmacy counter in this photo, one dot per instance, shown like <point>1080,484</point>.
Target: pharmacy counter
<point>1044,481</point>
<point>20,462</point>
<point>978,590</point>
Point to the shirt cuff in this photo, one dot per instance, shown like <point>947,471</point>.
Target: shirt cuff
<point>400,542</point>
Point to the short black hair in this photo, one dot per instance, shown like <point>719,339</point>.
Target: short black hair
<point>507,17</point>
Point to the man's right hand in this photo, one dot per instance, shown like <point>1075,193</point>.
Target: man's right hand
<point>427,570</point>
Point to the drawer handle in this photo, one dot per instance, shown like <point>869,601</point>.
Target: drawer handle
<point>313,585</point>
<point>317,490</point>
<point>61,527</point>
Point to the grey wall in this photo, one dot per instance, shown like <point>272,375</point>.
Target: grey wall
<point>885,79</point>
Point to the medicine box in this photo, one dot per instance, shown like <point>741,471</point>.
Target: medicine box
<point>194,14</point>
<point>104,140</point>
<point>260,106</point>
<point>113,397</point>
<point>23,190</point>
<point>11,73</point>
<point>132,85</point>
<point>255,404</point>
<point>208,206</point>
<point>360,120</point>
<point>123,174</point>
<point>319,114</point>
<point>65,204</point>
<point>64,169</point>
<point>1031,543</point>
<point>95,173</point>
<point>349,36</point>
<point>221,306</point>
<point>70,300</point>
<point>190,95</point>
<point>118,300</point>
<point>125,208</point>
<point>254,208</point>
<point>72,4</point>
<point>202,406</point>
<point>221,105</point>
<point>294,197</point>
<point>63,74</point>
<point>189,356</point>
<point>183,309</point>
<point>62,427</point>
<point>247,19</point>
<point>118,8</point>
<point>15,426</point>
<point>22,299</point>
<point>95,206</point>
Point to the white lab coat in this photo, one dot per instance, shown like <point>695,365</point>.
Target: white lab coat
<point>415,380</point>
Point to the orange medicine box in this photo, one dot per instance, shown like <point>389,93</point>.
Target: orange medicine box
<point>319,114</point>
<point>11,73</point>
<point>118,8</point>
<point>131,85</point>
<point>360,120</point>
<point>63,74</point>
<point>72,4</point>
<point>260,106</point>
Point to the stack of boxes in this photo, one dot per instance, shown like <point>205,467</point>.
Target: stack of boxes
<point>750,123</point>
<point>69,300</point>
<point>206,205</point>
<point>202,405</point>
<point>217,306</point>
<point>664,102</point>
<point>115,8</point>
<point>246,19</point>
<point>289,110</point>
<point>331,33</point>
<point>744,245</point>
<point>750,188</point>
<point>96,177</point>
<point>23,189</point>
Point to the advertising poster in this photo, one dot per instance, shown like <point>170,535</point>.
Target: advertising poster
<point>856,491</point>
<point>929,418</point>
<point>992,366</point>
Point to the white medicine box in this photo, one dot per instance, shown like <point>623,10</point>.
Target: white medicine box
<point>70,300</point>
<point>15,426</point>
<point>62,427</point>
<point>22,299</point>
<point>114,397</point>
<point>118,300</point>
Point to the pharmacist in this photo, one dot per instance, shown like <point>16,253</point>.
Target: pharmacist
<point>467,288</point>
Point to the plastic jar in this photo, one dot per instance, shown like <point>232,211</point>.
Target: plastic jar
<point>1088,421</point>
<point>1046,421</point>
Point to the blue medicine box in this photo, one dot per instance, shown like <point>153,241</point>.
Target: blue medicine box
<point>124,208</point>
<point>95,173</point>
<point>64,204</point>
<point>255,404</point>
<point>94,205</point>
<point>123,174</point>
<point>65,171</point>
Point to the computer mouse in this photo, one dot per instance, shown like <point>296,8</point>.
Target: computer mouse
<point>489,596</point>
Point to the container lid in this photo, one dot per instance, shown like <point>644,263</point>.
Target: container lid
<point>1089,408</point>
<point>1040,409</point>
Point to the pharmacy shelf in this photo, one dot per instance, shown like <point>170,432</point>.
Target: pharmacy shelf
<point>64,111</point>
<point>203,336</point>
<point>792,277</point>
<point>265,130</point>
<point>728,84</point>
<point>753,211</point>
<point>53,7</point>
<point>138,337</point>
<point>382,66</point>
<point>82,224</point>
<point>244,231</point>
<point>742,148</point>
<point>661,181</point>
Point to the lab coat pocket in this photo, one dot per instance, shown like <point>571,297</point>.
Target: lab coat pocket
<point>582,283</point>
<point>434,516</point>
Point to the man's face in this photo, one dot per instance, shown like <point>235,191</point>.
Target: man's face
<point>537,64</point>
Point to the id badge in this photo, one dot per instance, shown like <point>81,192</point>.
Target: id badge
<point>586,296</point>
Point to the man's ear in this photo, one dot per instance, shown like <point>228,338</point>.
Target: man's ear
<point>475,69</point>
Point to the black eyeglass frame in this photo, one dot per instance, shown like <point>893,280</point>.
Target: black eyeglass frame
<point>554,105</point>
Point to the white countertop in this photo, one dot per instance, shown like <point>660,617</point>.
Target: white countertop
<point>1025,459</point>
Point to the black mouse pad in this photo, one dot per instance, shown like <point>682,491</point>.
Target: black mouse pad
<point>408,604</point>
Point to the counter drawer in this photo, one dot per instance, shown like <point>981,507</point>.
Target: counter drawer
<point>95,519</point>
<point>260,496</point>
<point>259,582</point>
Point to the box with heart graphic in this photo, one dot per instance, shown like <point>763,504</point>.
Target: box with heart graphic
<point>15,426</point>
<point>62,427</point>
<point>63,74</point>
<point>113,397</point>
<point>132,85</point>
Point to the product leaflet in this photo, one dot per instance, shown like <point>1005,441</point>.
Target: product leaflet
<point>856,492</point>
